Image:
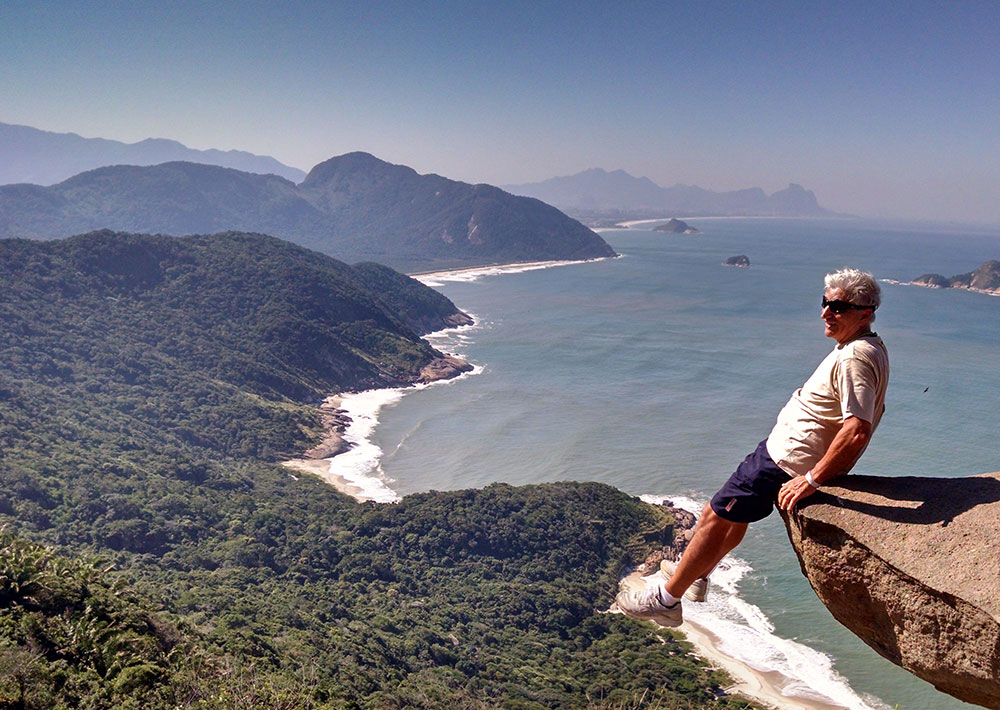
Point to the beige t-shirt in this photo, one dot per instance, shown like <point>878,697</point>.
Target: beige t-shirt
<point>850,381</point>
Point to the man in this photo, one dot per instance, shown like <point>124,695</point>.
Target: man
<point>820,434</point>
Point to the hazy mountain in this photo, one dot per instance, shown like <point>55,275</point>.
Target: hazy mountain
<point>44,158</point>
<point>354,207</point>
<point>596,189</point>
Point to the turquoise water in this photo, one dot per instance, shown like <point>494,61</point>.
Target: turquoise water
<point>658,371</point>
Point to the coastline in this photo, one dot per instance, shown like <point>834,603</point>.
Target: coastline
<point>971,289</point>
<point>472,273</point>
<point>345,457</point>
<point>765,687</point>
<point>629,223</point>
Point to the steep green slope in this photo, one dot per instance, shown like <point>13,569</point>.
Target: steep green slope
<point>398,217</point>
<point>354,207</point>
<point>146,384</point>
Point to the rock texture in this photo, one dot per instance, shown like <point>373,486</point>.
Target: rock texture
<point>443,368</point>
<point>912,566</point>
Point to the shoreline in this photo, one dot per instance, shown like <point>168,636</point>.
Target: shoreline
<point>339,442</point>
<point>971,289</point>
<point>763,687</point>
<point>337,419</point>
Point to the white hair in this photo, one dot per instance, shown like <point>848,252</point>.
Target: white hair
<point>859,287</point>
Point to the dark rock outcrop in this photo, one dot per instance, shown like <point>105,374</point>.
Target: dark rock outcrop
<point>444,368</point>
<point>912,566</point>
<point>676,226</point>
<point>932,280</point>
<point>742,260</point>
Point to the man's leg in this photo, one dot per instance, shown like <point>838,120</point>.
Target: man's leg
<point>714,538</point>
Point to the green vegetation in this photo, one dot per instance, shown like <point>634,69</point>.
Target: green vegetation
<point>156,557</point>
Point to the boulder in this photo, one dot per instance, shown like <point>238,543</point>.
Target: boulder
<point>443,368</point>
<point>911,565</point>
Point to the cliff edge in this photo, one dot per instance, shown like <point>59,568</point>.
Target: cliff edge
<point>911,565</point>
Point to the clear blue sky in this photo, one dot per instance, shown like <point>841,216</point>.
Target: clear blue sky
<point>881,108</point>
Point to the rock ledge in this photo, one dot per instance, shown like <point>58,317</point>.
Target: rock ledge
<point>911,565</point>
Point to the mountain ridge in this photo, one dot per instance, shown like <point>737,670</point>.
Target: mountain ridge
<point>354,207</point>
<point>35,156</point>
<point>596,189</point>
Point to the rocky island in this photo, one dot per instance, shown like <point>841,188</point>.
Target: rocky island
<point>742,261</point>
<point>985,279</point>
<point>676,226</point>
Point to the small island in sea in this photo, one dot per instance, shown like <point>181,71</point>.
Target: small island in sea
<point>742,261</point>
<point>985,279</point>
<point>676,226</point>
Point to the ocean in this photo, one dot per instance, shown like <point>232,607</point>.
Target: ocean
<point>658,371</point>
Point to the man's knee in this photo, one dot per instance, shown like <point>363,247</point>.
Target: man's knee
<point>716,525</point>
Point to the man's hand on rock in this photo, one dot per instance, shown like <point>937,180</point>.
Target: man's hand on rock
<point>793,491</point>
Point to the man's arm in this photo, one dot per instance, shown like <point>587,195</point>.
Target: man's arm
<point>844,450</point>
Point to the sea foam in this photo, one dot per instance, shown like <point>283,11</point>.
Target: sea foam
<point>747,635</point>
<point>360,466</point>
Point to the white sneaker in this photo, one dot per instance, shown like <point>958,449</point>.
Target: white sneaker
<point>646,604</point>
<point>697,592</point>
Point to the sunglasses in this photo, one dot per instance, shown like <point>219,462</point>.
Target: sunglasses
<point>838,306</point>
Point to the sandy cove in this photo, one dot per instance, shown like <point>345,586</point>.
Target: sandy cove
<point>335,421</point>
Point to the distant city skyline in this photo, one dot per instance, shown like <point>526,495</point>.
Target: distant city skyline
<point>882,109</point>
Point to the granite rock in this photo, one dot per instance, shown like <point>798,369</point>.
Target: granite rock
<point>911,565</point>
<point>443,368</point>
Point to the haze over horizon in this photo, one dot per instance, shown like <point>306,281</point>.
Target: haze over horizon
<point>882,109</point>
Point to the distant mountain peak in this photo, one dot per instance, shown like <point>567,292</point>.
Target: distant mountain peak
<point>597,189</point>
<point>31,155</point>
<point>351,164</point>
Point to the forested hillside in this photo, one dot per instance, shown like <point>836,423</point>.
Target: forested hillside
<point>354,207</point>
<point>155,556</point>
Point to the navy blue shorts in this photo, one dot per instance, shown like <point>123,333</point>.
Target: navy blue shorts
<point>751,492</point>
